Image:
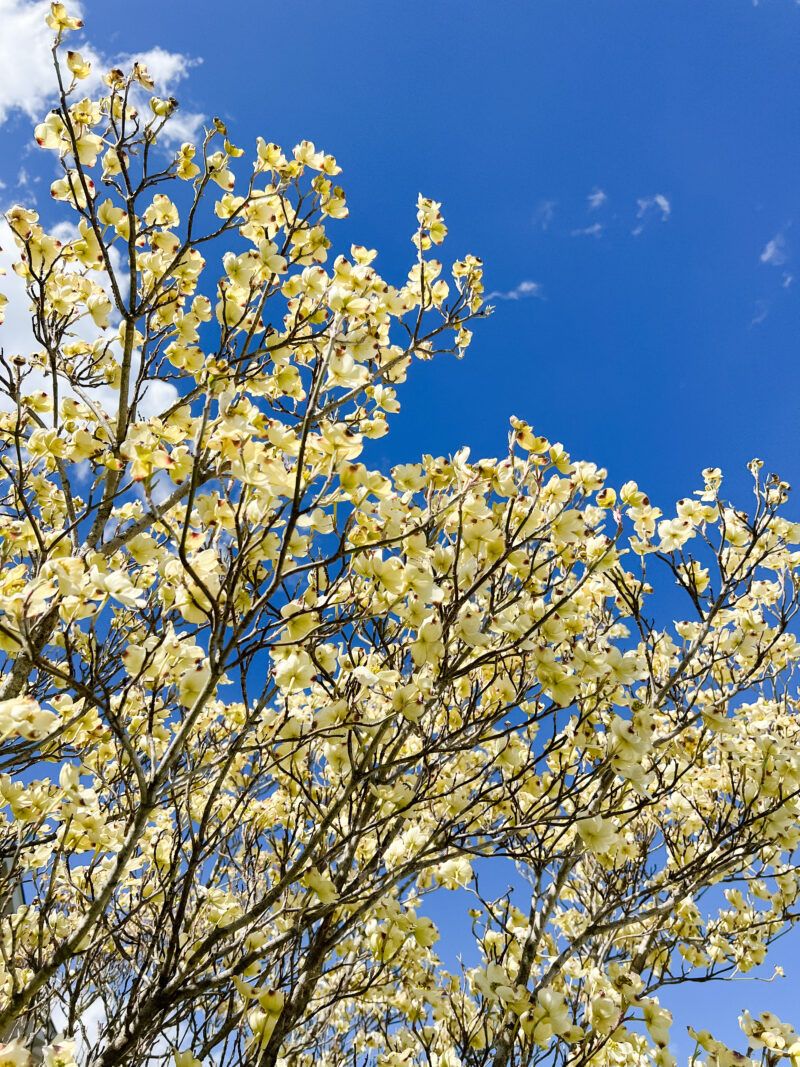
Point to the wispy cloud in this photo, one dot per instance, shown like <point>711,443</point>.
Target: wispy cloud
<point>657,201</point>
<point>524,289</point>
<point>589,231</point>
<point>647,206</point>
<point>25,181</point>
<point>775,253</point>
<point>596,198</point>
<point>761,312</point>
<point>27,83</point>
<point>543,215</point>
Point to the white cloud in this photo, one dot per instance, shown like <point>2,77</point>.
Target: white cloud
<point>16,332</point>
<point>589,231</point>
<point>182,126</point>
<point>166,70</point>
<point>526,288</point>
<point>775,253</point>
<point>787,279</point>
<point>26,65</point>
<point>596,199</point>
<point>27,78</point>
<point>647,205</point>
<point>89,1027</point>
<point>16,335</point>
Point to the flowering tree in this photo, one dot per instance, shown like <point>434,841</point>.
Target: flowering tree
<point>259,701</point>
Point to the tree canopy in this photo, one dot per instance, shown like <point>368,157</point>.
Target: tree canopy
<point>262,700</point>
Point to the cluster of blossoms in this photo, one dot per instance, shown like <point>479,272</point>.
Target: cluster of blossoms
<point>261,701</point>
<point>772,1040</point>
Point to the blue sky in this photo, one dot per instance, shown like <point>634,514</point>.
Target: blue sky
<point>627,170</point>
<point>657,333</point>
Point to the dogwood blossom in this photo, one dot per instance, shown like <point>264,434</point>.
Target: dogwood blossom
<point>262,698</point>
